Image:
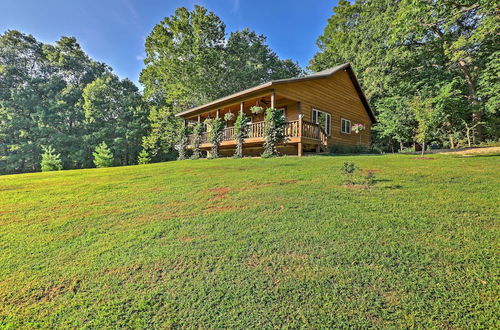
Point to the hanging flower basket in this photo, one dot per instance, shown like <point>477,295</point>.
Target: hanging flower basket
<point>358,128</point>
<point>229,116</point>
<point>256,110</point>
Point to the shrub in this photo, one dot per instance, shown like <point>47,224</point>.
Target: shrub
<point>103,157</point>
<point>197,130</point>
<point>347,170</point>
<point>240,133</point>
<point>215,136</point>
<point>143,157</point>
<point>350,149</point>
<point>182,142</point>
<point>274,132</point>
<point>369,179</point>
<point>50,160</point>
<point>352,175</point>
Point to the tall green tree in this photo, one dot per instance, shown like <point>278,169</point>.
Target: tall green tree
<point>189,61</point>
<point>441,49</point>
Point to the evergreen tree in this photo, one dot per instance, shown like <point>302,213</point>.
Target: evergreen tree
<point>103,157</point>
<point>143,157</point>
<point>50,160</point>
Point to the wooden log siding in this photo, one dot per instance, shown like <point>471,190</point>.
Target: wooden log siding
<point>335,95</point>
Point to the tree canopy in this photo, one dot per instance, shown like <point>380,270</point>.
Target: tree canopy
<point>442,52</point>
<point>190,61</point>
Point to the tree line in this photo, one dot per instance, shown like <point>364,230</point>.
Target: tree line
<point>430,70</point>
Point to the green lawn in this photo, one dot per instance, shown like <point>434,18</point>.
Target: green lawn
<point>253,243</point>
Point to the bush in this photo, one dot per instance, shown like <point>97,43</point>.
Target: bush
<point>240,132</point>
<point>215,136</point>
<point>357,149</point>
<point>352,175</point>
<point>50,160</point>
<point>274,132</point>
<point>347,171</point>
<point>103,157</point>
<point>197,131</point>
<point>143,157</point>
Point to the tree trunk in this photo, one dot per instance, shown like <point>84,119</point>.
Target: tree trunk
<point>471,88</point>
<point>423,148</point>
<point>452,142</point>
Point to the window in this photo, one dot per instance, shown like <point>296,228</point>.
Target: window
<point>324,119</point>
<point>345,126</point>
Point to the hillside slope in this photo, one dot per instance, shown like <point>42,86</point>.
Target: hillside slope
<point>252,243</point>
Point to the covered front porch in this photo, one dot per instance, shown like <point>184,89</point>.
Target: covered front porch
<point>300,135</point>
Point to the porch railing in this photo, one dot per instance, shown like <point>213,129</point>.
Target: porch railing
<point>294,128</point>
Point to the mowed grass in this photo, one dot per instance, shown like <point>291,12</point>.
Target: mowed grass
<point>253,243</point>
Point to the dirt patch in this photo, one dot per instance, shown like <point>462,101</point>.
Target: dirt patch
<point>222,208</point>
<point>59,289</point>
<point>371,171</point>
<point>188,239</point>
<point>219,193</point>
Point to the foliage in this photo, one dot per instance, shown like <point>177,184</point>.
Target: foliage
<point>215,136</point>
<point>55,94</point>
<point>143,230</point>
<point>348,169</point>
<point>442,51</point>
<point>353,149</point>
<point>50,160</point>
<point>274,131</point>
<point>189,46</point>
<point>103,157</point>
<point>427,119</point>
<point>182,142</point>
<point>143,157</point>
<point>240,133</point>
<point>229,116</point>
<point>197,131</point>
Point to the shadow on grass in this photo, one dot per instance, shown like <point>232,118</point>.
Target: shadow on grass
<point>333,155</point>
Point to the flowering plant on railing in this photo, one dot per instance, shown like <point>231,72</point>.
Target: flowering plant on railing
<point>274,131</point>
<point>215,135</point>
<point>197,130</point>
<point>240,132</point>
<point>357,128</point>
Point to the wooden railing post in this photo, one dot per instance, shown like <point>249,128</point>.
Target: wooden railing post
<point>300,125</point>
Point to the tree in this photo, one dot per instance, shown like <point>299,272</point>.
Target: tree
<point>50,160</point>
<point>114,112</point>
<point>42,103</point>
<point>143,157</point>
<point>103,157</point>
<point>439,49</point>
<point>189,62</point>
<point>427,120</point>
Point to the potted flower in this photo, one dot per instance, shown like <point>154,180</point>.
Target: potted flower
<point>357,128</point>
<point>256,109</point>
<point>229,116</point>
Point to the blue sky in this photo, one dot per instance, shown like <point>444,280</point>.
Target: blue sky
<point>114,31</point>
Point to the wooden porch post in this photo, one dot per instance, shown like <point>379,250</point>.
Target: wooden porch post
<point>299,149</point>
<point>217,113</point>
<point>299,145</point>
<point>273,95</point>
<point>199,119</point>
<point>242,105</point>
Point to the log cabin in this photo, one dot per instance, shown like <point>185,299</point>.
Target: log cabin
<point>320,110</point>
